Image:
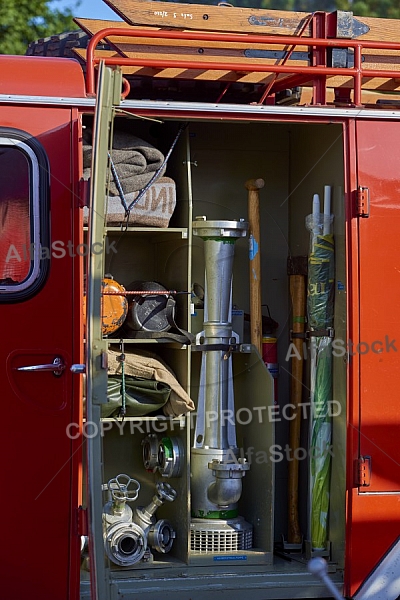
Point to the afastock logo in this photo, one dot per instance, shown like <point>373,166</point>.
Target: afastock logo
<point>58,249</point>
<point>277,453</point>
<point>342,348</point>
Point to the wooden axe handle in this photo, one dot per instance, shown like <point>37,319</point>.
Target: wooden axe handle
<point>298,295</point>
<point>253,186</point>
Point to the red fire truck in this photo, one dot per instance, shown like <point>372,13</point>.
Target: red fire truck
<point>183,194</point>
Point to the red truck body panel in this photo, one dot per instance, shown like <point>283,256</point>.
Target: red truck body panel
<point>41,466</point>
<point>41,76</point>
<point>374,520</point>
<point>42,473</point>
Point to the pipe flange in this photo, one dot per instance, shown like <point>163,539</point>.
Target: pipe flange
<point>219,229</point>
<point>125,543</point>
<point>170,457</point>
<point>150,452</point>
<point>228,470</point>
<point>161,536</point>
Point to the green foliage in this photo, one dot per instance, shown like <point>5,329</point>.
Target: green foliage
<point>389,9</point>
<point>23,21</point>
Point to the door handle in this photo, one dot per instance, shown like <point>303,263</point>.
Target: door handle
<point>57,367</point>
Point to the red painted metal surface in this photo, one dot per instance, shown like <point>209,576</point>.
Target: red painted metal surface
<point>378,169</point>
<point>374,418</point>
<point>77,447</point>
<point>40,465</point>
<point>353,321</point>
<point>41,76</point>
<point>318,56</point>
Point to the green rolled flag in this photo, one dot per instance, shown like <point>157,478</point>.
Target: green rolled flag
<point>320,308</point>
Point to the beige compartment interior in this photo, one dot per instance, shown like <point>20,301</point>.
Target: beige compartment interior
<point>210,165</point>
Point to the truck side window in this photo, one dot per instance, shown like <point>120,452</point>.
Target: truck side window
<point>23,222</point>
<point>15,238</point>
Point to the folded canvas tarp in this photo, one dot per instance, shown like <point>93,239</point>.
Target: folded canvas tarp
<point>135,160</point>
<point>149,366</point>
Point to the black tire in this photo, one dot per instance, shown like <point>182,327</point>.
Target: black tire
<point>61,45</point>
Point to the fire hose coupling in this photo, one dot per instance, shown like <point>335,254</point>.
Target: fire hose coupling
<point>124,542</point>
<point>164,456</point>
<point>227,487</point>
<point>170,455</point>
<point>150,452</point>
<point>127,534</point>
<point>161,536</point>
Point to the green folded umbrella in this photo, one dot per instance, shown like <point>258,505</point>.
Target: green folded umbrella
<point>320,296</point>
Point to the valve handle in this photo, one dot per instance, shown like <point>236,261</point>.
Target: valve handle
<point>123,488</point>
<point>165,491</point>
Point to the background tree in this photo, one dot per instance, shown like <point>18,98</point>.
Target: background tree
<point>22,21</point>
<point>389,9</point>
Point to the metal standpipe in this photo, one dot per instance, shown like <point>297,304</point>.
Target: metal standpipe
<point>216,470</point>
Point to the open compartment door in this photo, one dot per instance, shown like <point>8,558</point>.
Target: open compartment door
<point>108,94</point>
<point>376,487</point>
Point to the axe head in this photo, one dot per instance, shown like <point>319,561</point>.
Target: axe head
<point>297,265</point>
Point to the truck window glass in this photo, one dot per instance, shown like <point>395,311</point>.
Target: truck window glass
<point>15,236</point>
<point>21,267</point>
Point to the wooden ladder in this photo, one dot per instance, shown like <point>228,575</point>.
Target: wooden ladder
<point>333,57</point>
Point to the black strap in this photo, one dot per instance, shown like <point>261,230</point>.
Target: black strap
<point>216,347</point>
<point>306,335</point>
<point>300,335</point>
<point>184,337</point>
<point>330,332</point>
<point>156,174</point>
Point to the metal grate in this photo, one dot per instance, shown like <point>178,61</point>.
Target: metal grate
<point>220,536</point>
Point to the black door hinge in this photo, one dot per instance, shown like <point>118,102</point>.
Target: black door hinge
<point>362,199</point>
<point>363,471</point>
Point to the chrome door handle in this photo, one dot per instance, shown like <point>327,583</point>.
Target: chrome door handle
<point>57,367</point>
